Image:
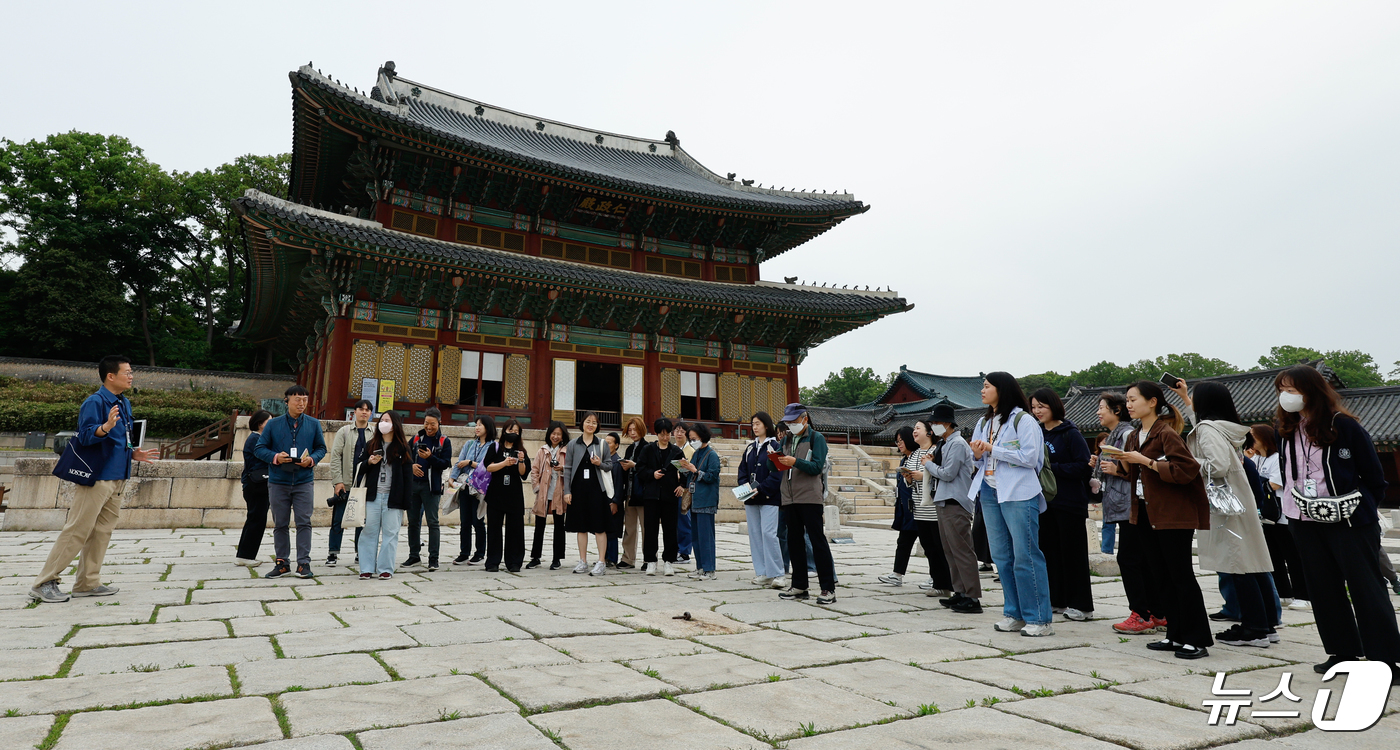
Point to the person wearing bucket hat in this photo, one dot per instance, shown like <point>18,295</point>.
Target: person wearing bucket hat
<point>804,457</point>
<point>952,468</point>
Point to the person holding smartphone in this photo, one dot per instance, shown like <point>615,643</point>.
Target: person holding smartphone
<point>385,472</point>
<point>292,445</point>
<point>586,458</point>
<point>633,520</point>
<point>470,499</point>
<point>505,500</point>
<point>547,479</point>
<point>432,453</point>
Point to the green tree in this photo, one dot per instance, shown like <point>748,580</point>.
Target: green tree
<point>71,308</point>
<point>1049,379</point>
<point>1357,369</point>
<point>1189,366</point>
<point>849,387</point>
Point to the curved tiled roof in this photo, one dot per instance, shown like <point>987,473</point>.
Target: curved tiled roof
<point>963,390</point>
<point>1378,410</point>
<point>659,168</point>
<point>763,296</point>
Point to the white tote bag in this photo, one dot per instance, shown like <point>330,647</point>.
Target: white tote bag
<point>354,517</point>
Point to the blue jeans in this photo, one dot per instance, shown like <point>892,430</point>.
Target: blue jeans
<point>703,524</point>
<point>1013,533</point>
<point>763,540</point>
<point>379,544</point>
<point>783,547</point>
<point>683,536</point>
<point>1107,537</point>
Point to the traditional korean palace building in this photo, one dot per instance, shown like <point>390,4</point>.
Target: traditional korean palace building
<point>488,262</point>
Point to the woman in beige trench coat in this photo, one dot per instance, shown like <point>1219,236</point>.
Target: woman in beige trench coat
<point>1235,544</point>
<point>547,480</point>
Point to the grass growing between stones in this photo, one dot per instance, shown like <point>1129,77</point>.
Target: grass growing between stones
<point>394,675</point>
<point>70,635</point>
<point>282,721</point>
<point>55,732</point>
<point>276,647</point>
<point>233,680</point>
<point>354,740</point>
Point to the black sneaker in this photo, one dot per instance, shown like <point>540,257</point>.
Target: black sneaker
<point>554,565</point>
<point>304,571</point>
<point>984,568</point>
<point>432,566</point>
<point>1222,617</point>
<point>461,560</point>
<point>827,597</point>
<point>1332,661</point>
<point>492,569</point>
<point>330,560</point>
<point>1238,635</point>
<point>478,557</point>
<point>535,563</point>
<point>683,559</point>
<point>951,601</point>
<point>968,606</point>
<point>281,568</point>
<point>800,594</point>
<point>625,566</point>
<point>412,561</point>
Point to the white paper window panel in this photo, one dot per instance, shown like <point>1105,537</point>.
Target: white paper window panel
<point>471,361</point>
<point>688,387</point>
<point>631,390</point>
<point>709,385</point>
<point>564,384</point>
<point>493,367</point>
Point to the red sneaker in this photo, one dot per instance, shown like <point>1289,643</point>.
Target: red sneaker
<point>1135,625</point>
<point>1159,623</point>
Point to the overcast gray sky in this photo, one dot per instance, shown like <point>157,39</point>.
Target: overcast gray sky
<point>1053,184</point>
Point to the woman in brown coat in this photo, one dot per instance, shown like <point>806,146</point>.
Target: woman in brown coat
<point>1169,498</point>
<point>547,480</point>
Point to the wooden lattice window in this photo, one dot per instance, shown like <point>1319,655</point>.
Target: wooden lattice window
<point>364,363</point>
<point>598,256</point>
<point>760,395</point>
<point>414,223</point>
<point>517,381</point>
<point>777,394</point>
<point>671,392</point>
<point>471,235</point>
<point>673,266</point>
<point>449,374</point>
<point>729,402</point>
<point>419,385</point>
<point>732,273</point>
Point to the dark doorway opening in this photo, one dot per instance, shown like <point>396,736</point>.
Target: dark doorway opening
<point>599,389</point>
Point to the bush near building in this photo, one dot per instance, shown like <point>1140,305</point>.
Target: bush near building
<point>33,406</point>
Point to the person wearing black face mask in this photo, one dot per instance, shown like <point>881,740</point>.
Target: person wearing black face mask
<point>505,500</point>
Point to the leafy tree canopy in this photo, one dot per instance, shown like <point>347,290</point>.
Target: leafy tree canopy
<point>1357,369</point>
<point>849,387</point>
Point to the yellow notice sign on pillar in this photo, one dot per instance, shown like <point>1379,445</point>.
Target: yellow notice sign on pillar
<point>386,395</point>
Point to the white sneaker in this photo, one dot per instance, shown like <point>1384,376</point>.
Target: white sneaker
<point>939,592</point>
<point>708,575</point>
<point>1009,624</point>
<point>926,584</point>
<point>761,580</point>
<point>245,562</point>
<point>779,583</point>
<point>893,579</point>
<point>1285,601</point>
<point>1301,604</point>
<point>1037,631</point>
<point>695,574</point>
<point>668,569</point>
<point>1071,613</point>
<point>651,569</point>
<point>582,567</point>
<point>600,568</point>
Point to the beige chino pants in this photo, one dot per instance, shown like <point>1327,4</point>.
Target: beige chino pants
<point>631,527</point>
<point>85,534</point>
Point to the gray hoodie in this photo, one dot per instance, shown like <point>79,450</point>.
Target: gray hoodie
<point>954,473</point>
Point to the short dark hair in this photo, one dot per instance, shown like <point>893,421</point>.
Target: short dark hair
<point>563,432</point>
<point>1116,404</point>
<point>701,431</point>
<point>1050,398</point>
<point>661,425</point>
<point>434,412</point>
<point>111,365</point>
<point>365,403</point>
<point>617,439</point>
<point>1213,401</point>
<point>906,436</point>
<point>489,425</point>
<point>767,420</point>
<point>258,419</point>
<point>511,423</point>
<point>296,390</point>
<point>584,418</point>
<point>679,425</point>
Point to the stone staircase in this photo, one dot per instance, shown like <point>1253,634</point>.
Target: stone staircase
<point>858,482</point>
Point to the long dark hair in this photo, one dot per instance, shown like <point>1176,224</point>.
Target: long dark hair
<point>905,435</point>
<point>1213,401</point>
<point>1150,390</point>
<point>1050,398</point>
<point>489,426</point>
<point>1264,439</point>
<point>397,450</point>
<point>1320,403</point>
<point>766,420</point>
<point>1009,396</point>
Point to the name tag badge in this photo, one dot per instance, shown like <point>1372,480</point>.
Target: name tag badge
<point>1309,488</point>
<point>292,452</point>
<point>506,480</point>
<point>587,474</point>
<point>990,472</point>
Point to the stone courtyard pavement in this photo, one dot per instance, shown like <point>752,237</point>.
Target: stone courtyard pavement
<point>196,653</point>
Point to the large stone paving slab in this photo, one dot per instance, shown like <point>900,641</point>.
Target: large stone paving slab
<point>22,664</point>
<point>646,725</point>
<point>389,704</point>
<point>24,732</point>
<point>343,641</point>
<point>567,685</point>
<point>171,656</point>
<point>335,605</point>
<point>920,648</point>
<point>464,631</point>
<point>470,658</point>
<point>780,709</point>
<point>220,611</point>
<point>392,617</point>
<point>905,686</point>
<point>782,649</point>
<point>260,594</point>
<point>276,675</point>
<point>315,742</point>
<point>827,630</point>
<point>975,728</point>
<point>775,611</point>
<point>174,727</point>
<point>554,626</point>
<point>914,622</point>
<point>491,609</point>
<point>279,624</point>
<point>1111,666</point>
<point>1009,673</point>
<point>40,637</point>
<point>92,691</point>
<point>124,635</point>
<point>623,647</point>
<point>1131,721</point>
<point>495,731</point>
<point>711,671</point>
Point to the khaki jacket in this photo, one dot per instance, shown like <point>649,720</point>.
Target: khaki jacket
<point>1233,544</point>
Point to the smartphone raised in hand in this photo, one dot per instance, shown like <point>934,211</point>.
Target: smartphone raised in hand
<point>1170,380</point>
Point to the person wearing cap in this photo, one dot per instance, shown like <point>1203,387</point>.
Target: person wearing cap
<point>803,459</point>
<point>952,467</point>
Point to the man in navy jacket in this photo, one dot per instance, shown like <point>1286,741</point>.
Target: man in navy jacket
<point>292,445</point>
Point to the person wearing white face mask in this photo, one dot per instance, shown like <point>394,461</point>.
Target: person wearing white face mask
<point>952,470</point>
<point>1332,480</point>
<point>386,473</point>
<point>915,473</point>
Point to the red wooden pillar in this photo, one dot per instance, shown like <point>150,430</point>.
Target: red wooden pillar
<point>792,389</point>
<point>651,386</point>
<point>541,384</point>
<point>338,390</point>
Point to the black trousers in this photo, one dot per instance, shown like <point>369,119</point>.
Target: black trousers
<point>509,513</point>
<point>1065,543</point>
<point>1250,590</point>
<point>255,525</point>
<point>903,547</point>
<point>1288,567</point>
<point>979,537</point>
<point>1349,601</point>
<point>538,548</point>
<point>808,516</point>
<point>421,494</point>
<point>660,516</point>
<point>933,550</point>
<point>1169,551</point>
<point>471,523</point>
<point>1140,583</point>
